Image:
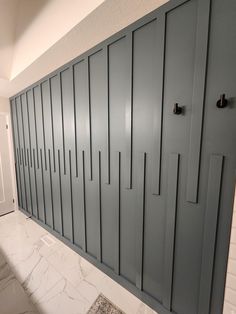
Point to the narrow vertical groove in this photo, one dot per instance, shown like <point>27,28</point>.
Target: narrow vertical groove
<point>75,122</point>
<point>158,109</point>
<point>140,220</point>
<point>71,200</point>
<point>28,119</point>
<point>117,217</point>
<point>36,132</point>
<point>84,204</point>
<point>52,122</point>
<point>108,117</point>
<point>129,115</point>
<point>36,186</point>
<point>171,208</point>
<point>31,201</point>
<point>23,167</point>
<point>23,129</point>
<point>90,122</point>
<point>99,256</point>
<point>59,168</point>
<point>44,141</point>
<point>43,187</point>
<point>51,188</point>
<point>198,99</point>
<point>62,121</point>
<point>210,231</point>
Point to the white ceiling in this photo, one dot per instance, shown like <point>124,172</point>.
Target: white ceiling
<point>28,28</point>
<point>39,36</point>
<point>8,15</point>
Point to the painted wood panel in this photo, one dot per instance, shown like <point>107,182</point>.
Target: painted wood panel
<point>106,164</point>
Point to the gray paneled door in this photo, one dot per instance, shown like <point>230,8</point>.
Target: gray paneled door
<point>125,155</point>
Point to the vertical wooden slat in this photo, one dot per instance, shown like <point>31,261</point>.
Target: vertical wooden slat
<point>19,178</point>
<point>60,188</point>
<point>108,176</point>
<point>117,182</point>
<point>18,132</point>
<point>28,121</point>
<point>35,182</point>
<point>23,130</point>
<point>89,122</point>
<point>140,219</point>
<point>51,188</point>
<point>23,168</point>
<point>43,125</point>
<point>43,187</point>
<point>198,99</point>
<point>157,114</point>
<point>171,207</point>
<point>99,238</point>
<point>71,200</point>
<point>84,205</point>
<point>33,187</point>
<point>210,232</point>
<point>36,132</point>
<point>62,123</point>
<point>52,123</point>
<point>75,123</point>
<point>30,189</point>
<point>129,112</point>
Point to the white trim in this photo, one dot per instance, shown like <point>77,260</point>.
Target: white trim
<point>12,159</point>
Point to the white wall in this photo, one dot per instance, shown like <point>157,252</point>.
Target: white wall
<point>4,105</point>
<point>230,290</point>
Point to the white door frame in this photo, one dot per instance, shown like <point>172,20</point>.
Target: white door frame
<point>12,159</point>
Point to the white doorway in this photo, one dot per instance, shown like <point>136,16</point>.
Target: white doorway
<point>6,176</point>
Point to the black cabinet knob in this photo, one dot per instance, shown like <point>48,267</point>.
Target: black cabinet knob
<point>177,109</point>
<point>222,102</point>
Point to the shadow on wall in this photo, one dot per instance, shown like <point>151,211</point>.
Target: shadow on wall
<point>19,15</point>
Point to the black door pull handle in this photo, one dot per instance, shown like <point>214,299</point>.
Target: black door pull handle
<point>222,102</point>
<point>177,109</point>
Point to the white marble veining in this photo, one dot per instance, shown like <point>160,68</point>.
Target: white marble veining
<point>13,299</point>
<point>55,278</point>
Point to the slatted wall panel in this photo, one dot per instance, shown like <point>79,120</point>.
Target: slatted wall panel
<point>103,161</point>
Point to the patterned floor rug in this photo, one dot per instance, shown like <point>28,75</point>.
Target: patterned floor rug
<point>103,306</point>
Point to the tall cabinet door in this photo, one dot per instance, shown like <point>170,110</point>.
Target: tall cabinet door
<point>164,71</point>
<point>185,55</point>
<point>219,149</point>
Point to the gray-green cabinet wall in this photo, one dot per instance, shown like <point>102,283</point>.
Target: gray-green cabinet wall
<point>140,186</point>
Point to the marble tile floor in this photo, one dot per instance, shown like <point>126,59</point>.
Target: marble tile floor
<point>48,277</point>
<point>13,298</point>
